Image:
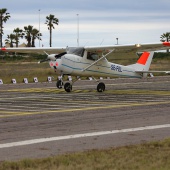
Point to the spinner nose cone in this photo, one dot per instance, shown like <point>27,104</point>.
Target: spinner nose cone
<point>56,65</point>
<point>51,57</point>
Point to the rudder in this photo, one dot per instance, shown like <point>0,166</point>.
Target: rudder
<point>144,62</point>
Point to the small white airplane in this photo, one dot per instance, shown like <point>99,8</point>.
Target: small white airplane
<point>91,61</point>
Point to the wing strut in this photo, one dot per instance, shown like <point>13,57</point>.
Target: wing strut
<point>104,56</point>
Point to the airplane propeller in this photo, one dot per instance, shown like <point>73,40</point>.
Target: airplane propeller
<point>52,57</point>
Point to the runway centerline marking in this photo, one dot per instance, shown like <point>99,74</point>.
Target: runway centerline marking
<point>76,136</point>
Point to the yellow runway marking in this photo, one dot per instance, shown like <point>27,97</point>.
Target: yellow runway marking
<point>79,109</point>
<point>123,91</point>
<point>52,99</point>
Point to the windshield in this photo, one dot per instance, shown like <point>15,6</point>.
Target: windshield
<point>76,50</point>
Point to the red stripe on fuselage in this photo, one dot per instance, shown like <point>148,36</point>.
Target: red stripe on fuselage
<point>143,59</point>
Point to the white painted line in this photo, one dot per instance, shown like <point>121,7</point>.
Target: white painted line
<point>41,140</point>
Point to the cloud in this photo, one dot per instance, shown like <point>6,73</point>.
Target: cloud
<point>129,20</point>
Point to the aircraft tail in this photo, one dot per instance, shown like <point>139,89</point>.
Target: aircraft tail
<point>143,63</point>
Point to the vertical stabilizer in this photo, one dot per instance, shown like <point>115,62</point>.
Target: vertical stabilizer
<point>143,63</point>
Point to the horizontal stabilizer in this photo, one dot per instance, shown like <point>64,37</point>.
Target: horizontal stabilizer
<point>166,72</point>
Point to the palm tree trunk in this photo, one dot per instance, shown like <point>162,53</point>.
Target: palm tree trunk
<point>50,37</point>
<point>167,40</point>
<point>0,30</point>
<point>29,42</point>
<point>0,40</point>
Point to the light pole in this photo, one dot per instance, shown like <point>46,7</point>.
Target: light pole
<point>117,40</point>
<point>39,27</point>
<point>78,30</point>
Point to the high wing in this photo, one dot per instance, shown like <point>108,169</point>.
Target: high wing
<point>130,47</point>
<point>99,49</point>
<point>40,50</point>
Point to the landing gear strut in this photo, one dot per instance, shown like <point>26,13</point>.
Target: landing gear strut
<point>68,85</point>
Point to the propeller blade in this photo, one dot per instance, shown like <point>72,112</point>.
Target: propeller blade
<point>41,61</point>
<point>52,57</point>
<point>60,55</point>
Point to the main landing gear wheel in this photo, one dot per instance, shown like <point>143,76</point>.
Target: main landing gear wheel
<point>68,87</point>
<point>101,87</point>
<point>59,84</point>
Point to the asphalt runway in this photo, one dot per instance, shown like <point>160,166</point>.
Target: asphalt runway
<point>38,120</point>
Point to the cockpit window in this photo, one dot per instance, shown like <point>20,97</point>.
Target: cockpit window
<point>92,56</point>
<point>76,50</point>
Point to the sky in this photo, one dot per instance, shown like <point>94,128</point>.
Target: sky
<point>99,22</point>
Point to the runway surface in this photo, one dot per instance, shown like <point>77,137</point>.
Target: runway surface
<point>38,120</point>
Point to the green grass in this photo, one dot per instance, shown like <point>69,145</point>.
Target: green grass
<point>19,71</point>
<point>148,156</point>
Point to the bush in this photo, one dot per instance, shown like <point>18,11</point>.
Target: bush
<point>161,55</point>
<point>22,57</point>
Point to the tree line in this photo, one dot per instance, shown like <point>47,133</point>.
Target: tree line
<point>29,32</point>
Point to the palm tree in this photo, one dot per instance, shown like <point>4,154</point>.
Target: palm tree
<point>165,37</point>
<point>18,34</point>
<point>4,16</point>
<point>10,39</point>
<point>35,35</point>
<point>28,29</point>
<point>31,34</point>
<point>50,21</point>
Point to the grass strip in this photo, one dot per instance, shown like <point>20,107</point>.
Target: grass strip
<point>149,156</point>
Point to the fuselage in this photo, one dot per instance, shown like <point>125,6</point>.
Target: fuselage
<point>75,65</point>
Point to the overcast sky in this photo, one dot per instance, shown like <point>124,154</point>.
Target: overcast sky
<point>100,21</point>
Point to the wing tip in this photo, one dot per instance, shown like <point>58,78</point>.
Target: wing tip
<point>3,49</point>
<point>166,44</point>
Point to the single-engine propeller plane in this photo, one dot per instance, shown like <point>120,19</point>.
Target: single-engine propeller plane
<point>91,61</point>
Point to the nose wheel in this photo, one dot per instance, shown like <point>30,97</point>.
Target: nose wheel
<point>101,87</point>
<point>67,85</point>
<point>59,84</point>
